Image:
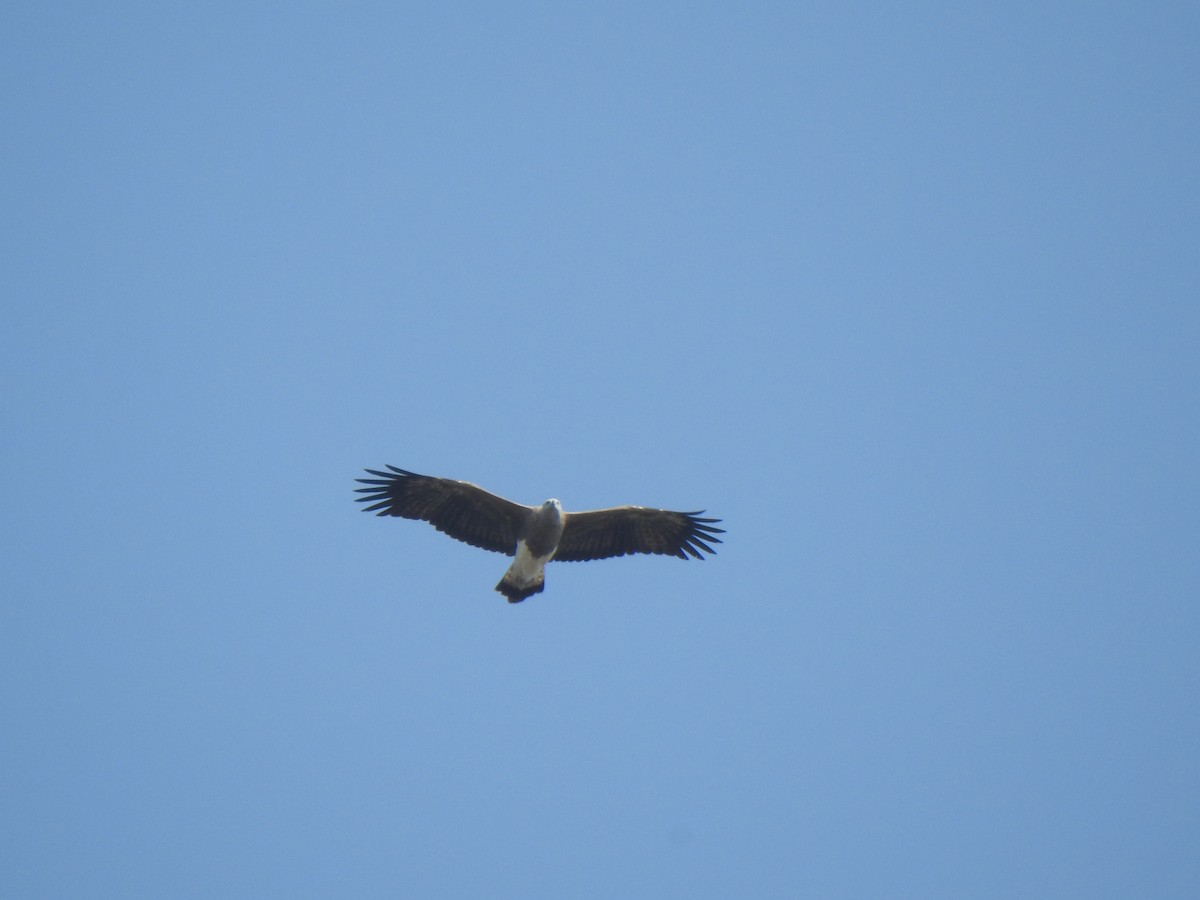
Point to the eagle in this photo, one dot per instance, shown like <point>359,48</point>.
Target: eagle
<point>534,535</point>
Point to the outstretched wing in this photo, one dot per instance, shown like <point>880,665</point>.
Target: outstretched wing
<point>457,508</point>
<point>600,533</point>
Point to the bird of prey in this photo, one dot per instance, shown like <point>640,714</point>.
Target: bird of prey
<point>534,535</point>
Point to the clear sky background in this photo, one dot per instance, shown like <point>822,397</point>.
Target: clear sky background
<point>907,294</point>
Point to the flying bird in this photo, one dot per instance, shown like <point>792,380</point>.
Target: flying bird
<point>534,535</point>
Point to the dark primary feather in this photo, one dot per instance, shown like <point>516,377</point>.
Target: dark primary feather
<point>462,510</point>
<point>601,533</point>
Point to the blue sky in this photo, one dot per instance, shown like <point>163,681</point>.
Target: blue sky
<point>906,294</point>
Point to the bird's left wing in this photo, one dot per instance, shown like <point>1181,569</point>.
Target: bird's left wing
<point>601,533</point>
<point>458,508</point>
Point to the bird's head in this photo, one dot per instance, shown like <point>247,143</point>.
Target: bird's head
<point>552,504</point>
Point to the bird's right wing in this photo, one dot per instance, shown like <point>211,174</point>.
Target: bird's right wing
<point>462,510</point>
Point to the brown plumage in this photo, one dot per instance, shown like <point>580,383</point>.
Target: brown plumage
<point>535,534</point>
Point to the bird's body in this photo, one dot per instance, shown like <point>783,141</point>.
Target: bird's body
<point>527,575</point>
<point>534,535</point>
